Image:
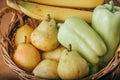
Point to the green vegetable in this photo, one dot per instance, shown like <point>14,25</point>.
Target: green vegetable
<point>106,21</point>
<point>83,39</point>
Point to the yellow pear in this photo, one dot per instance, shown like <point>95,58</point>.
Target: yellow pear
<point>23,34</point>
<point>26,56</point>
<point>47,68</point>
<point>72,65</point>
<point>54,54</point>
<point>44,37</point>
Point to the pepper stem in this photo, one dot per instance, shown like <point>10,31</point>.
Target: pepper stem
<point>112,6</point>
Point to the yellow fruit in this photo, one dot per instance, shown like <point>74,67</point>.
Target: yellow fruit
<point>47,68</point>
<point>72,66</point>
<point>26,57</point>
<point>39,11</point>
<point>23,34</point>
<point>12,5</point>
<point>71,3</point>
<point>44,37</point>
<point>54,54</point>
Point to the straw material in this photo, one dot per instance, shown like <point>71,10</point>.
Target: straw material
<point>8,47</point>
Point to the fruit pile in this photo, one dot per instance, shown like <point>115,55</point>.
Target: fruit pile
<point>68,43</point>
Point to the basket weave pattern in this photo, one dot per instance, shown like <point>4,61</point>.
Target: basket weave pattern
<point>8,47</point>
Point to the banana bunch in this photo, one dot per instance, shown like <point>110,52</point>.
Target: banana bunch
<point>58,9</point>
<point>70,3</point>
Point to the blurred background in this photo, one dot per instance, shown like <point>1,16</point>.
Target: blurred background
<point>5,72</point>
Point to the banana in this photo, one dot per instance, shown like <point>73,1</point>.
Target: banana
<point>11,4</point>
<point>70,3</point>
<point>39,11</point>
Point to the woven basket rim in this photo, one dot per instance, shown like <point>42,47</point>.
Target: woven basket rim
<point>4,41</point>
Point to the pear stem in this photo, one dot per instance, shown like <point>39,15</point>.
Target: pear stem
<point>70,48</point>
<point>25,39</point>
<point>48,18</point>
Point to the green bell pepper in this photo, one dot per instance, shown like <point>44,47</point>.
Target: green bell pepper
<point>106,21</point>
<point>83,39</point>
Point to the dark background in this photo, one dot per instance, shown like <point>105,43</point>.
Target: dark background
<point>5,72</point>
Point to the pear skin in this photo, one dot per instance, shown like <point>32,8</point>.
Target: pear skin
<point>47,68</point>
<point>44,37</point>
<point>23,34</point>
<point>54,54</point>
<point>26,56</point>
<point>72,65</point>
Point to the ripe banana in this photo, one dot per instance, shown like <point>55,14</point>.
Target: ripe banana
<point>40,12</point>
<point>71,3</point>
<point>11,4</point>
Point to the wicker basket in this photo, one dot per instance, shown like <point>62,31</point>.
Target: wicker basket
<point>110,72</point>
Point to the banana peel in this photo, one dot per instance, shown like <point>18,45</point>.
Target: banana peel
<point>12,4</point>
<point>40,12</point>
<point>70,3</point>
